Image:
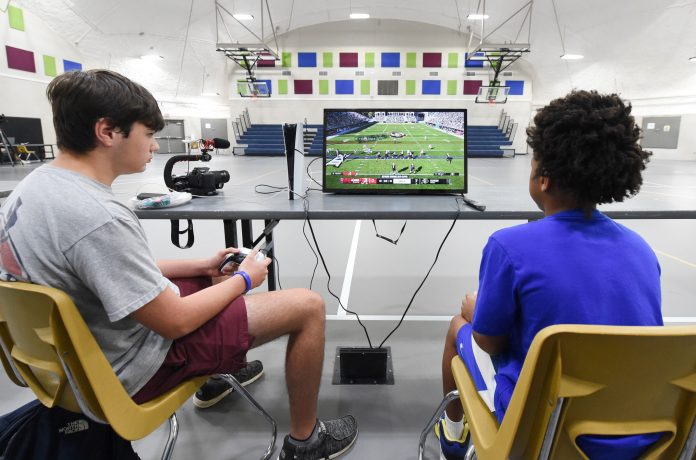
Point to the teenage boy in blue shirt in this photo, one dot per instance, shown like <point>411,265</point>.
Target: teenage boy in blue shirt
<point>574,266</point>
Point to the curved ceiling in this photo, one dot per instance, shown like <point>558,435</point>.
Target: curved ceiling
<point>638,47</point>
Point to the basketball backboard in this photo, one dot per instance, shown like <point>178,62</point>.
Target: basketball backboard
<point>492,94</point>
<point>253,88</point>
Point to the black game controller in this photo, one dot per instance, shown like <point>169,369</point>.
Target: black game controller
<point>239,257</point>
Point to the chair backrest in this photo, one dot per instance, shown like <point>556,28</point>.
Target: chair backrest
<point>59,359</point>
<point>603,380</point>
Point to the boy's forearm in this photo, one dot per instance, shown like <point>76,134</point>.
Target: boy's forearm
<point>183,268</point>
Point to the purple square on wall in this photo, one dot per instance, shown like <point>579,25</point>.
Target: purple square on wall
<point>20,59</point>
<point>348,59</point>
<point>432,59</point>
<point>303,86</point>
<point>472,86</point>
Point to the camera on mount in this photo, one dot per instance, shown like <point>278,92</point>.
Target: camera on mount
<point>201,180</point>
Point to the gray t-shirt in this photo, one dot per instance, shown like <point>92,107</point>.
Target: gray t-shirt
<point>59,228</point>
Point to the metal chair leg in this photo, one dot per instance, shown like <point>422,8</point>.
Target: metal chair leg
<point>449,397</point>
<point>242,391</point>
<point>470,453</point>
<point>171,440</point>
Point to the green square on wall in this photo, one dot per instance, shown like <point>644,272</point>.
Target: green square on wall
<point>453,60</point>
<point>451,87</point>
<point>50,66</point>
<point>328,59</point>
<point>410,87</point>
<point>411,60</point>
<point>286,59</point>
<point>323,86</point>
<point>369,59</point>
<point>16,17</point>
<point>282,87</point>
<point>365,87</point>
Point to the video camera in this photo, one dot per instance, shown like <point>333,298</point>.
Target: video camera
<point>201,180</point>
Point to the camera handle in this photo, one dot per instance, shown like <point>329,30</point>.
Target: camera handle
<point>169,180</point>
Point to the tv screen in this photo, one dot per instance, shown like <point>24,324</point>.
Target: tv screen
<point>395,151</point>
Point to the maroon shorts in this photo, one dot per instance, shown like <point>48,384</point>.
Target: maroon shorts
<point>217,347</point>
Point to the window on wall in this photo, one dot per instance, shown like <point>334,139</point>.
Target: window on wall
<point>388,87</point>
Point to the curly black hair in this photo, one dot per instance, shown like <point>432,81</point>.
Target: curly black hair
<point>587,143</point>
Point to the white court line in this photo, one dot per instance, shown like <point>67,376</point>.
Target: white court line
<point>662,253</point>
<point>350,265</point>
<point>666,319</point>
<point>666,194</point>
<point>481,180</point>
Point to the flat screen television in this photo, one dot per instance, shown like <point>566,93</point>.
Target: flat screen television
<point>419,151</point>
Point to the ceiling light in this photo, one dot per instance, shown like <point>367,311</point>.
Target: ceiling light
<point>243,17</point>
<point>477,17</point>
<point>359,16</point>
<point>152,57</point>
<point>692,59</point>
<point>571,57</point>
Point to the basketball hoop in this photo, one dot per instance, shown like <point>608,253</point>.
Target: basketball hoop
<point>491,101</point>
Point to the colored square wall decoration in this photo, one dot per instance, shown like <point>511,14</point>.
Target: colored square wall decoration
<point>369,59</point>
<point>20,59</point>
<point>71,65</point>
<point>306,59</point>
<point>347,59</point>
<point>303,86</point>
<point>266,63</point>
<point>328,59</point>
<point>50,66</point>
<point>411,60</point>
<point>282,87</point>
<point>344,87</point>
<point>516,87</point>
<point>472,86</point>
<point>286,59</point>
<point>391,60</point>
<point>471,63</point>
<point>432,59</point>
<point>324,87</point>
<point>16,17</point>
<point>431,87</point>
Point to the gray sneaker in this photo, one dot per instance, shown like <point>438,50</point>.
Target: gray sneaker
<point>335,438</point>
<point>216,388</point>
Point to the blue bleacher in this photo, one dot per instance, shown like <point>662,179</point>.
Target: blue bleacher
<point>267,140</point>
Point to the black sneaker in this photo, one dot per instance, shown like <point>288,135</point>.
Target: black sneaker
<point>335,438</point>
<point>216,388</point>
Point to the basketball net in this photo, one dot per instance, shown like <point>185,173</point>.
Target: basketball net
<point>491,101</point>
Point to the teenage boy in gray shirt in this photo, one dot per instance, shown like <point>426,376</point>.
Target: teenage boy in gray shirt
<point>63,227</point>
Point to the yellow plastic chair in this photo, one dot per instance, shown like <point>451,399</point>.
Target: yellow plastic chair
<point>48,347</point>
<point>597,380</point>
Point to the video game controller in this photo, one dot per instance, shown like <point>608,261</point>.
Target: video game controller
<point>239,257</point>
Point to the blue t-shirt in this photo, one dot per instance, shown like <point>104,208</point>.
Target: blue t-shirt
<point>563,269</point>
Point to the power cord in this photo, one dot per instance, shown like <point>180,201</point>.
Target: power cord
<point>326,269</point>
<point>394,242</point>
<point>437,255</point>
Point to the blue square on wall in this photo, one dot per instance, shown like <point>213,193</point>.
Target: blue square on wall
<point>344,87</point>
<point>471,63</point>
<point>431,87</point>
<point>269,85</point>
<point>516,87</point>
<point>391,60</point>
<point>306,59</point>
<point>70,65</point>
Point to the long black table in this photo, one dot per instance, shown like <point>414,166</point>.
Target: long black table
<point>502,203</point>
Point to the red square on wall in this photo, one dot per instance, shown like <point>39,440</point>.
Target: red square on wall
<point>303,86</point>
<point>472,86</point>
<point>432,59</point>
<point>348,59</point>
<point>20,59</point>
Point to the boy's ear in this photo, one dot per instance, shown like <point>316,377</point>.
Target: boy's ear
<point>104,132</point>
<point>544,183</point>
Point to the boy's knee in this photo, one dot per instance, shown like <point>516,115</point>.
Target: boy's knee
<point>455,324</point>
<point>315,303</point>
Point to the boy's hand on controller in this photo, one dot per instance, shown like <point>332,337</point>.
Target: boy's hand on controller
<point>256,269</point>
<point>212,265</point>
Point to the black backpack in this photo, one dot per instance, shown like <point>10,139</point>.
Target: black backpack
<point>35,432</point>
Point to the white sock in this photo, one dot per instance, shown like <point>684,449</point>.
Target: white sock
<point>454,429</point>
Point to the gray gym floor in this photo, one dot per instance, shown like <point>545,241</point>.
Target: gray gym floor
<point>378,285</point>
